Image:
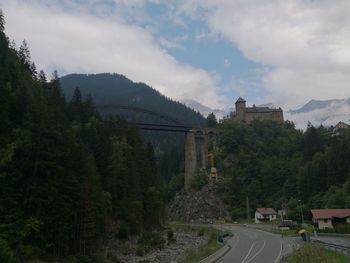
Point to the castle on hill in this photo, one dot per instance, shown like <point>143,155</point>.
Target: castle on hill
<point>248,114</point>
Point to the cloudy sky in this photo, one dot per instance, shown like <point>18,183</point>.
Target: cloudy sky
<point>285,52</point>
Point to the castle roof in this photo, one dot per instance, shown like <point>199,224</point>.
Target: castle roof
<point>266,211</point>
<point>240,100</point>
<point>255,109</point>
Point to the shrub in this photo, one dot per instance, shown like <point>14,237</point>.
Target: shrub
<point>124,231</point>
<point>6,254</point>
<point>149,240</point>
<point>170,236</point>
<point>342,228</point>
<point>139,251</point>
<point>199,180</point>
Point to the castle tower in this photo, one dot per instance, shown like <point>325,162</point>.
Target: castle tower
<point>240,109</point>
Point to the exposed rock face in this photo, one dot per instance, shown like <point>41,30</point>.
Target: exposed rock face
<point>203,206</point>
<point>171,253</point>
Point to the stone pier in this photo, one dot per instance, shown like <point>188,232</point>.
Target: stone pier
<point>196,151</point>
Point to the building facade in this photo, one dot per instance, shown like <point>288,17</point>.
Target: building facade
<point>264,214</point>
<point>248,114</point>
<point>326,218</point>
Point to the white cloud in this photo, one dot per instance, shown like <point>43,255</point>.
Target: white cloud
<point>79,41</point>
<point>306,43</point>
<point>173,43</point>
<point>327,116</point>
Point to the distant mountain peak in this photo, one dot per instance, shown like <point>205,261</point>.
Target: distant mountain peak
<point>321,112</point>
<point>317,104</point>
<point>205,110</point>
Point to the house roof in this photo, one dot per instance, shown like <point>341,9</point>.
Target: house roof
<point>255,109</point>
<point>240,100</point>
<point>330,213</point>
<point>266,211</point>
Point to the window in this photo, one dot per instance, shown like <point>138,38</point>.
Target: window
<point>325,220</point>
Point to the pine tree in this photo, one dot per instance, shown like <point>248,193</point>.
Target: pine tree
<point>24,54</point>
<point>2,21</point>
<point>211,121</point>
<point>42,77</point>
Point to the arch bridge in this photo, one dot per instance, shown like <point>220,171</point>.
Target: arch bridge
<point>198,141</point>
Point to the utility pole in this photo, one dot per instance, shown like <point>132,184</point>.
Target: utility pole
<point>301,211</point>
<point>248,208</point>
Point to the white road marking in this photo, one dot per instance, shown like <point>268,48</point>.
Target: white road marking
<point>236,243</point>
<point>257,253</point>
<point>279,255</point>
<point>250,250</point>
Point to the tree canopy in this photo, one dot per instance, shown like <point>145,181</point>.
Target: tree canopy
<point>64,169</point>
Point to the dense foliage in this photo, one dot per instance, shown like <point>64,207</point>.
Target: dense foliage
<point>275,165</point>
<point>115,89</point>
<point>64,170</point>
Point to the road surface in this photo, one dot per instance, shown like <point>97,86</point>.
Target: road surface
<point>251,245</point>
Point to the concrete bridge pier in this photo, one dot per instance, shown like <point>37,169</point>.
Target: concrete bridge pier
<point>190,158</point>
<point>196,152</point>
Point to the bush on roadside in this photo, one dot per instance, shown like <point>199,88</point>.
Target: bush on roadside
<point>313,254</point>
<point>170,236</point>
<point>199,180</point>
<point>342,228</point>
<point>151,240</point>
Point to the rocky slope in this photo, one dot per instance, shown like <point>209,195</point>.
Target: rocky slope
<point>203,206</point>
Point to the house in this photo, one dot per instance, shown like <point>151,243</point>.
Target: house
<point>264,214</point>
<point>325,218</point>
<point>248,114</point>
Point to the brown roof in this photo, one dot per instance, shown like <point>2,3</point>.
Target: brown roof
<point>330,213</point>
<point>266,211</point>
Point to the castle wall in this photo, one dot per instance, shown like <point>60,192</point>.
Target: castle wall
<point>273,115</point>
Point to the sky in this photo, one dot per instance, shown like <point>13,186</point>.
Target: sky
<point>212,51</point>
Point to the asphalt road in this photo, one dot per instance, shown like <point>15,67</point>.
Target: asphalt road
<point>251,245</point>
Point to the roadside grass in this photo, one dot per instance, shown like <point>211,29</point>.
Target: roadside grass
<point>207,249</point>
<point>313,254</point>
<point>309,229</point>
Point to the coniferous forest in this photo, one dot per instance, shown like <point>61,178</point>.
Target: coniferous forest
<point>64,170</point>
<point>67,170</point>
<point>276,165</point>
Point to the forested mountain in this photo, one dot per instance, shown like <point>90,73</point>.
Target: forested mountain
<point>64,170</point>
<point>117,89</point>
<point>276,165</point>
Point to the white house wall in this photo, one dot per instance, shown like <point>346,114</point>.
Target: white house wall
<point>323,225</point>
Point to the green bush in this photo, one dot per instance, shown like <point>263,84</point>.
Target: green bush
<point>6,254</point>
<point>313,254</point>
<point>124,231</point>
<point>139,251</point>
<point>29,252</point>
<point>199,180</point>
<point>342,228</point>
<point>170,236</point>
<point>151,240</point>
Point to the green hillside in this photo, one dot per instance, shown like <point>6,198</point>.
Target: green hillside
<point>117,89</point>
